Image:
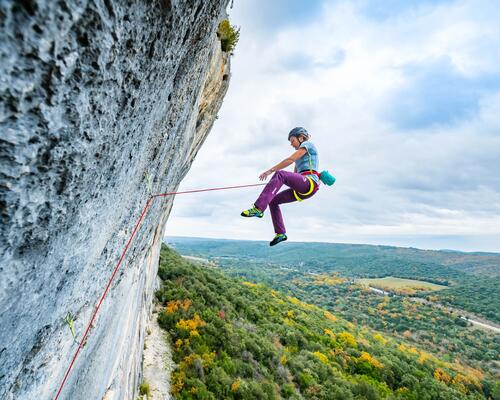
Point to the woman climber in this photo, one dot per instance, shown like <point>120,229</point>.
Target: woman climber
<point>303,183</point>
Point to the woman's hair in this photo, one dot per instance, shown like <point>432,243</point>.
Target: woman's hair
<point>304,138</point>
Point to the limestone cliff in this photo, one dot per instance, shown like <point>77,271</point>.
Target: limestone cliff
<point>101,104</point>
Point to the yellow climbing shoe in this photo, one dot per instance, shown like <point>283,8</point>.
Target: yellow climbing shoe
<point>252,212</point>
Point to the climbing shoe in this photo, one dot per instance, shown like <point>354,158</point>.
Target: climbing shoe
<point>280,237</point>
<point>252,212</point>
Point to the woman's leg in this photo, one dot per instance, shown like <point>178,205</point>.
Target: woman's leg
<point>286,196</point>
<point>295,181</point>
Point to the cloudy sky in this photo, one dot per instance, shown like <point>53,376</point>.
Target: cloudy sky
<point>402,99</point>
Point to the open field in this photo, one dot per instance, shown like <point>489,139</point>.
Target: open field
<point>400,285</point>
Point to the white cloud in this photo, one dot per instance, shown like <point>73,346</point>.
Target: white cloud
<point>336,75</point>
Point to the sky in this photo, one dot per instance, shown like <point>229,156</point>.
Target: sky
<point>402,100</point>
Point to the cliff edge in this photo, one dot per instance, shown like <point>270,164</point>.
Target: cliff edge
<point>102,103</point>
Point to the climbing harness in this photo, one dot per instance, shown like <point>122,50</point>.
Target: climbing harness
<point>311,181</point>
<point>69,318</point>
<point>311,188</point>
<point>324,176</point>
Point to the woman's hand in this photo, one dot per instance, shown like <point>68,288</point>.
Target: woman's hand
<point>283,164</point>
<point>264,175</point>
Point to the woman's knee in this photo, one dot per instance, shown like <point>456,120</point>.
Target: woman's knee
<point>274,203</point>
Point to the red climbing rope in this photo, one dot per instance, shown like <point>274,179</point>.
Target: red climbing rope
<point>146,207</point>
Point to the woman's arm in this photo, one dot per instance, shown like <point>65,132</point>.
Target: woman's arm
<point>283,164</point>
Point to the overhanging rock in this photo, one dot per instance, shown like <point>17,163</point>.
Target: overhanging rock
<point>101,104</point>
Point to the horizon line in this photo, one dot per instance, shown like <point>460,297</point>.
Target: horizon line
<point>343,243</point>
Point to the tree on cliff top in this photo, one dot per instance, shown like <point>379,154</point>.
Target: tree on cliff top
<point>228,35</point>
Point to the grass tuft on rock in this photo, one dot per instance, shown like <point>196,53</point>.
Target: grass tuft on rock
<point>145,390</point>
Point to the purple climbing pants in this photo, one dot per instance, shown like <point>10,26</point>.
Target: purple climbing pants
<point>271,197</point>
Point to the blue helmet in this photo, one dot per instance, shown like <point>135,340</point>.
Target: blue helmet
<point>298,131</point>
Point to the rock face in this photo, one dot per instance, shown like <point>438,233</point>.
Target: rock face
<point>102,103</point>
<point>157,358</point>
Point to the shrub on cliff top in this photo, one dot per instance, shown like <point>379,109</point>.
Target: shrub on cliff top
<point>228,35</point>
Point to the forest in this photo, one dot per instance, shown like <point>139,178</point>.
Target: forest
<point>237,339</point>
<point>473,279</point>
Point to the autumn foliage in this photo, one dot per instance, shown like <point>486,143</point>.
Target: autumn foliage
<point>238,340</point>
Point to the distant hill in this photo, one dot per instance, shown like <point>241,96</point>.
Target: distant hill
<point>450,263</point>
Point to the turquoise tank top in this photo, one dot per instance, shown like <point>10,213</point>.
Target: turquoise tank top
<point>309,160</point>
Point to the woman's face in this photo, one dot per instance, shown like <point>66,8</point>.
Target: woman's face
<point>294,142</point>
